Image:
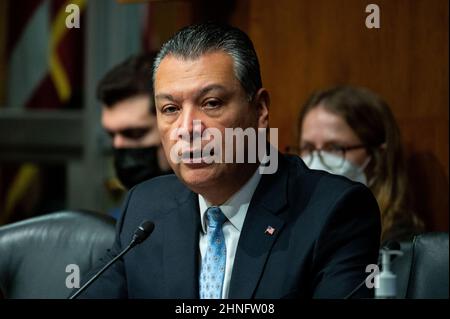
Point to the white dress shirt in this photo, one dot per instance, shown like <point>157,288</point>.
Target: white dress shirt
<point>235,210</point>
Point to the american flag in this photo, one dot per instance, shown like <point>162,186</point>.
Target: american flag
<point>269,230</point>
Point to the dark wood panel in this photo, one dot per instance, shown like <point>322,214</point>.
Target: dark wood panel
<point>306,45</point>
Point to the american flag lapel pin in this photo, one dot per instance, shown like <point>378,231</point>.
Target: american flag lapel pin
<point>269,230</point>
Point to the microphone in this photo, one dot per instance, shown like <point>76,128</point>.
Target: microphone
<point>141,233</point>
<point>390,245</point>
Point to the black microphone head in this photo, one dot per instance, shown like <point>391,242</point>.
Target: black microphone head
<point>143,231</point>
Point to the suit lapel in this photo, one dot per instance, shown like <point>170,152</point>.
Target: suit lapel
<point>256,242</point>
<point>181,252</point>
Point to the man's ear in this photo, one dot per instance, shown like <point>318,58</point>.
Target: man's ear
<point>262,103</point>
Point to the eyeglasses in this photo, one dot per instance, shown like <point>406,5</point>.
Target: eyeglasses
<point>307,153</point>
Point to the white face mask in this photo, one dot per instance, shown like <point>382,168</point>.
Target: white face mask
<point>347,168</point>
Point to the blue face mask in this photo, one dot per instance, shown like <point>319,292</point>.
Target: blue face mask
<point>337,165</point>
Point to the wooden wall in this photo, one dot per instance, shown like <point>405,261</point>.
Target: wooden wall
<point>305,45</point>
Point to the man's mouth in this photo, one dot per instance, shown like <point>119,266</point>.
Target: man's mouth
<point>196,157</point>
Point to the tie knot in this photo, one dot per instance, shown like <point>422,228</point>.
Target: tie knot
<point>215,217</point>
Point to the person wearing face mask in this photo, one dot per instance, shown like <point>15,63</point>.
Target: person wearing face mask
<point>129,118</point>
<point>333,161</point>
<point>350,131</point>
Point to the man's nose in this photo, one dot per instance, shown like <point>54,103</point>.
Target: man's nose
<point>119,141</point>
<point>191,121</point>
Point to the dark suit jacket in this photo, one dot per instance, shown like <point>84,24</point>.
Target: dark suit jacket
<point>327,232</point>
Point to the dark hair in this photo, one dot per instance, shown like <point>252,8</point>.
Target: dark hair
<point>373,122</point>
<point>130,78</point>
<point>194,41</point>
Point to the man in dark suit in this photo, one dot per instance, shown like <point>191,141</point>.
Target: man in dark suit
<point>223,229</point>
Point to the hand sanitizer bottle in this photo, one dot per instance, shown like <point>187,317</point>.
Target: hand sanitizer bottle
<point>386,281</point>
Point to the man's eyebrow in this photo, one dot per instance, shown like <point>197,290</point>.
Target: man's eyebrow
<point>203,91</point>
<point>164,96</point>
<point>211,87</point>
<point>207,89</point>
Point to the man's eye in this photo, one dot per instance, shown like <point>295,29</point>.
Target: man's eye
<point>212,104</point>
<point>135,133</point>
<point>169,109</point>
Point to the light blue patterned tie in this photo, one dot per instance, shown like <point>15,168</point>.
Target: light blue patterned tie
<point>213,263</point>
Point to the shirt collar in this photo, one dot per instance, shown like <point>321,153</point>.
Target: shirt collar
<point>235,208</point>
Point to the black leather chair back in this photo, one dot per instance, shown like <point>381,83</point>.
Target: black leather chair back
<point>34,253</point>
<point>422,272</point>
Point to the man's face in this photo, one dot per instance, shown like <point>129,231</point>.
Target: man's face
<point>130,123</point>
<point>204,89</point>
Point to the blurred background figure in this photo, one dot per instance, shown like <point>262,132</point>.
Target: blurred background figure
<point>129,118</point>
<point>351,131</point>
